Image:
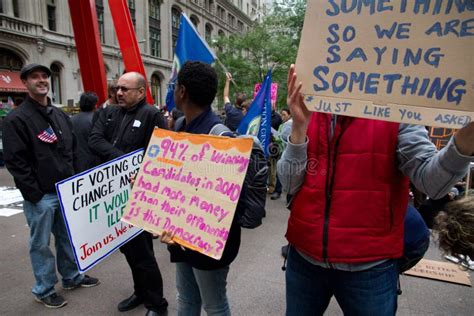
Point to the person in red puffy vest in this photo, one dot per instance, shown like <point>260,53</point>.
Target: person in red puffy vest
<point>349,178</point>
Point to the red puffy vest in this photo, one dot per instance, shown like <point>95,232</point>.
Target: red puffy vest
<point>352,204</point>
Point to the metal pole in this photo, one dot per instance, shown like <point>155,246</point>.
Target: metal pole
<point>468,181</point>
<point>225,70</point>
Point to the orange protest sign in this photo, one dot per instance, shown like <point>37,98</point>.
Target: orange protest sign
<point>189,185</point>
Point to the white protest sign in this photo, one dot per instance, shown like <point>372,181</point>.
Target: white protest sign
<point>189,185</point>
<point>92,203</point>
<point>400,61</point>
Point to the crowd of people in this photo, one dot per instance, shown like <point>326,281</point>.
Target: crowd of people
<point>346,179</point>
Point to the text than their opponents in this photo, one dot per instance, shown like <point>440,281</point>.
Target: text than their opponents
<point>166,207</point>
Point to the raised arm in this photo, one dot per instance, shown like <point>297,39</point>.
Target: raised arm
<point>292,165</point>
<point>228,78</point>
<point>434,172</point>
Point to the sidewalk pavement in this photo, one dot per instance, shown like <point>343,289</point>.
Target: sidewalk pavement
<point>256,282</point>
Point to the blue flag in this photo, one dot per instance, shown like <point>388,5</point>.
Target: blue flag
<point>257,121</point>
<point>189,47</point>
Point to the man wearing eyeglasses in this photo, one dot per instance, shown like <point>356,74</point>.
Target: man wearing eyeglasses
<point>119,130</point>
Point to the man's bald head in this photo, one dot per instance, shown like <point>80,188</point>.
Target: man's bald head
<point>136,77</point>
<point>131,89</point>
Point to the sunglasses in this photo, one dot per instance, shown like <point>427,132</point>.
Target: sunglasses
<point>126,89</point>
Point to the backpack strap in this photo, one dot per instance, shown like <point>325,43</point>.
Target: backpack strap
<point>178,124</point>
<point>219,129</point>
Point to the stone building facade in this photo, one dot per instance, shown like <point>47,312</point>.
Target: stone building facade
<point>40,31</point>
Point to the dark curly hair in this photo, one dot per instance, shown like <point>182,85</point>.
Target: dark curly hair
<point>455,226</point>
<point>200,80</point>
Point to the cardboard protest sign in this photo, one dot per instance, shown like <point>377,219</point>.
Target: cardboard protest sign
<point>440,136</point>
<point>400,61</point>
<point>92,204</point>
<point>443,271</point>
<point>189,185</point>
<point>273,92</point>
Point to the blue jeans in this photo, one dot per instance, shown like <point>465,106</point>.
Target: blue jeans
<point>201,287</point>
<point>309,288</point>
<point>44,218</point>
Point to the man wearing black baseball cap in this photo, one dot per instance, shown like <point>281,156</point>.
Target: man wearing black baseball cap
<point>38,150</point>
<point>27,69</point>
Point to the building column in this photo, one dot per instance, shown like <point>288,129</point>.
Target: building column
<point>7,7</point>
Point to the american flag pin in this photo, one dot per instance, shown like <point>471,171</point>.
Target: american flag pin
<point>48,136</point>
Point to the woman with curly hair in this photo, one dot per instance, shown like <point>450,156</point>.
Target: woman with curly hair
<point>455,226</point>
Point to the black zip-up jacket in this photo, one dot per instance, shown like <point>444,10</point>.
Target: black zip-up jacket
<point>34,164</point>
<point>119,131</point>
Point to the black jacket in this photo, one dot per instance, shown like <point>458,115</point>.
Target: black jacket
<point>37,165</point>
<point>119,131</point>
<point>233,116</point>
<point>82,126</point>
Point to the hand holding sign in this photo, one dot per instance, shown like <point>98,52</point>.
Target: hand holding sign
<point>464,140</point>
<point>300,114</point>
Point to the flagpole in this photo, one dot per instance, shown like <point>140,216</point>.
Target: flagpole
<point>226,71</point>
<point>468,181</point>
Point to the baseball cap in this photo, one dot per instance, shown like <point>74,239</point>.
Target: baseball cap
<point>32,67</point>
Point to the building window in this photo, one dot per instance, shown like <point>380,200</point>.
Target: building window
<point>155,28</point>
<point>131,8</point>
<point>1,6</point>
<point>9,60</point>
<point>56,83</point>
<point>154,9</point>
<point>155,42</point>
<point>220,33</point>
<point>99,7</point>
<point>231,20</point>
<point>208,32</point>
<point>16,8</point>
<point>51,8</point>
<point>220,12</point>
<point>156,89</point>
<point>240,26</point>
<point>194,20</point>
<point>175,17</point>
<point>209,5</point>
<point>241,5</point>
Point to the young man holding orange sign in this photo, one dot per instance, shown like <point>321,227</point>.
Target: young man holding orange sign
<point>200,280</point>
